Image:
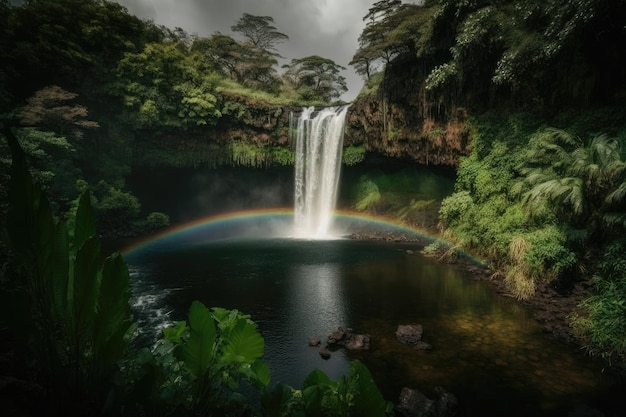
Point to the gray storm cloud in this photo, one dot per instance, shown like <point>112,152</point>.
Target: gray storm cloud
<point>329,28</point>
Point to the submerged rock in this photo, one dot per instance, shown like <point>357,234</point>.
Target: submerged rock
<point>315,341</point>
<point>349,340</point>
<point>409,334</point>
<point>342,338</point>
<point>337,337</point>
<point>412,403</point>
<point>421,345</point>
<point>325,353</point>
<point>358,342</point>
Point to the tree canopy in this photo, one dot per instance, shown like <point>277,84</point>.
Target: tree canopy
<point>259,32</point>
<point>316,78</point>
<point>477,53</point>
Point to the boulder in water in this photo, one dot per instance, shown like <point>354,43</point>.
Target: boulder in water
<point>409,334</point>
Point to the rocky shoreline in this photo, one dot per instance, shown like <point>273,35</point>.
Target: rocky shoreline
<point>548,306</point>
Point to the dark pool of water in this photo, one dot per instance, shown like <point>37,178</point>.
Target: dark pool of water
<point>487,350</point>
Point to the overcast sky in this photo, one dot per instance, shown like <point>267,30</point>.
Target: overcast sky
<point>328,28</point>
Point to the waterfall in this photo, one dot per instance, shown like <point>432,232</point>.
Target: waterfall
<point>318,148</point>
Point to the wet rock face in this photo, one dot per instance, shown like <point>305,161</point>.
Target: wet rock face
<point>397,128</point>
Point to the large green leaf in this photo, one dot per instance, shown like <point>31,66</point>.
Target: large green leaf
<point>85,226</point>
<point>174,333</point>
<point>317,377</point>
<point>261,373</point>
<point>113,316</point>
<point>244,343</point>
<point>275,400</point>
<point>59,272</point>
<point>85,283</point>
<point>198,351</point>
<point>313,399</point>
<point>368,401</point>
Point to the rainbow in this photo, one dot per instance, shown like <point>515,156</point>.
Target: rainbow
<point>267,220</point>
<point>210,226</point>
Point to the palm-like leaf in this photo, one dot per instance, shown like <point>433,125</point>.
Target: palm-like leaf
<point>558,191</point>
<point>581,182</point>
<point>618,195</point>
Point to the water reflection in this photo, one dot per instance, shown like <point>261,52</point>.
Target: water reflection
<point>486,349</point>
<point>314,306</point>
<point>316,297</point>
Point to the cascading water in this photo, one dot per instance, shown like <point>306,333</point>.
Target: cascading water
<point>318,149</point>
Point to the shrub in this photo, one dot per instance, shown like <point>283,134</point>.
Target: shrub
<point>455,208</point>
<point>604,325</point>
<point>353,155</point>
<point>366,193</point>
<point>548,256</point>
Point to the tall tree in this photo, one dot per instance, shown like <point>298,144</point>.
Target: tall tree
<point>73,43</point>
<point>247,65</point>
<point>51,109</point>
<point>391,29</point>
<point>316,78</point>
<point>259,32</point>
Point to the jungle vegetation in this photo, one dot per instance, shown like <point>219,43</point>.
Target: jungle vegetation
<point>68,327</point>
<point>86,89</point>
<point>90,90</point>
<point>541,195</point>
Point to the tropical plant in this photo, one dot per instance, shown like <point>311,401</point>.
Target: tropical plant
<point>584,185</point>
<point>69,309</point>
<point>251,62</point>
<point>602,325</point>
<point>200,365</point>
<point>352,395</point>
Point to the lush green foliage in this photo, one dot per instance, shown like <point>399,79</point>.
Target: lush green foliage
<point>69,309</point>
<point>353,395</point>
<point>200,364</point>
<point>72,328</point>
<point>246,154</point>
<point>543,206</point>
<point>604,325</point>
<point>406,195</point>
<point>167,86</point>
<point>585,186</point>
<point>485,53</point>
<point>352,155</point>
<point>316,78</point>
<point>486,215</point>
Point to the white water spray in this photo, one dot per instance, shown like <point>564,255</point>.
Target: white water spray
<point>318,148</point>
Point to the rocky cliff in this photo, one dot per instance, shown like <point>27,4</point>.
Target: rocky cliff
<point>396,120</point>
<point>396,129</point>
<point>401,119</point>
